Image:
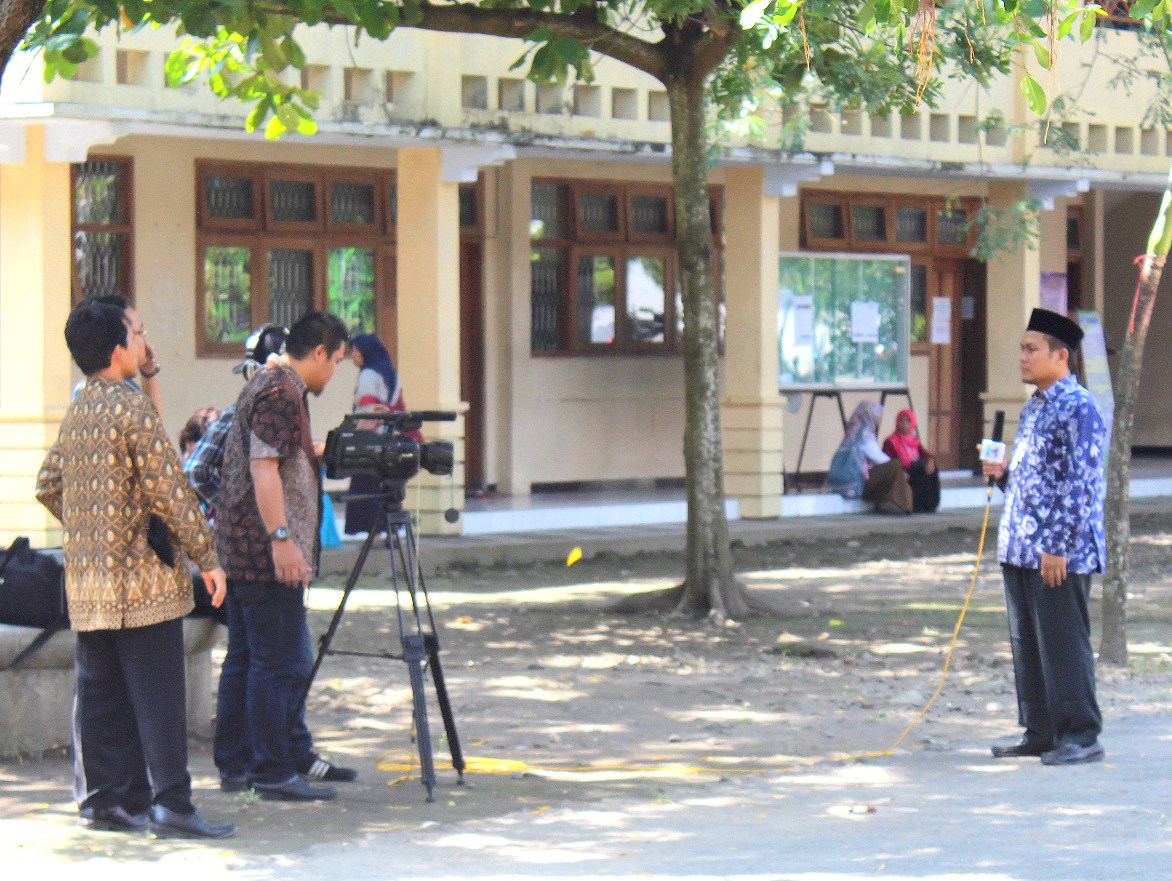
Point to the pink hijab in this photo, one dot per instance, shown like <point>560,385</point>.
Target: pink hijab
<point>907,446</point>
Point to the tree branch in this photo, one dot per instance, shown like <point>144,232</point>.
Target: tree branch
<point>466,18</point>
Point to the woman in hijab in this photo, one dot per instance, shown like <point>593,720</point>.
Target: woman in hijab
<point>860,469</point>
<point>904,444</point>
<point>377,391</point>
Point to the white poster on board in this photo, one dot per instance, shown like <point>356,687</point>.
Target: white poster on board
<point>941,321</point>
<point>864,321</point>
<point>803,320</point>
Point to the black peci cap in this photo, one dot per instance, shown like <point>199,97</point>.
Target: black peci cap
<point>1056,325</point>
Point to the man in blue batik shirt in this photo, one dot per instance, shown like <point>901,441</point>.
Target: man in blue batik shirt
<point>1050,543</point>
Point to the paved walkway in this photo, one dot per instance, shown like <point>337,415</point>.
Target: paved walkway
<point>919,815</point>
<point>923,815</point>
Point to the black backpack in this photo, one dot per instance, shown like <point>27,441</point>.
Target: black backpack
<point>32,593</point>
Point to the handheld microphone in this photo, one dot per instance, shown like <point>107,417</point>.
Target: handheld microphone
<point>992,449</point>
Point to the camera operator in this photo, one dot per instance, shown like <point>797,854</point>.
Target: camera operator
<point>267,534</point>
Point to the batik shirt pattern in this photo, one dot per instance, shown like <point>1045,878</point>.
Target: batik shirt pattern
<point>1054,500</point>
<point>110,469</point>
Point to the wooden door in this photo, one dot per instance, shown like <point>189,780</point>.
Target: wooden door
<point>945,286</point>
<point>472,361</point>
<point>973,360</point>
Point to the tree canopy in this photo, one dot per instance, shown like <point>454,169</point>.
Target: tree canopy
<point>719,60</point>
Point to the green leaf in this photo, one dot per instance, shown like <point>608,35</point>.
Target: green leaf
<point>753,13</point>
<point>307,125</point>
<point>1141,9</point>
<point>1087,28</point>
<point>290,118</point>
<point>293,52</point>
<point>1043,54</point>
<point>866,17</point>
<point>1035,95</point>
<point>275,128</point>
<point>257,115</point>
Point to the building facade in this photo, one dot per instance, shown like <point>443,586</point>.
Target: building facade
<point>513,245</point>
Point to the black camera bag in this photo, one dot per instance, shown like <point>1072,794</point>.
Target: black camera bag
<point>32,593</point>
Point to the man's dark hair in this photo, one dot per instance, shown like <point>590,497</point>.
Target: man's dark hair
<point>1055,344</point>
<point>112,300</point>
<point>92,332</point>
<point>313,330</point>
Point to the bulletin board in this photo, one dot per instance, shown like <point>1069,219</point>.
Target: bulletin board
<point>842,321</point>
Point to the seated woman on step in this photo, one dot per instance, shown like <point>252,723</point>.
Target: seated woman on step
<point>860,469</point>
<point>904,445</point>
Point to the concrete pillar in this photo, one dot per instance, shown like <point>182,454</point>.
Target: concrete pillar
<point>35,272</point>
<point>1014,290</point>
<point>751,409</point>
<point>428,292</point>
<point>514,327</point>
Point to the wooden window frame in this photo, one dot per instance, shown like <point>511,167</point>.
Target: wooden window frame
<point>929,244</point>
<point>579,189</point>
<point>261,235</point>
<point>217,239</point>
<point>572,245</point>
<point>295,174</point>
<point>821,198</point>
<point>664,192</point>
<point>373,179</point>
<point>970,207</point>
<point>204,218</point>
<point>670,337</point>
<point>591,249</point>
<point>126,255</point>
<point>888,221</point>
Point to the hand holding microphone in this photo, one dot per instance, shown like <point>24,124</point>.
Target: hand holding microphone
<point>992,450</point>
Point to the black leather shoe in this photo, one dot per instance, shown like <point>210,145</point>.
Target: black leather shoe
<point>166,823</point>
<point>1073,754</point>
<point>114,819</point>
<point>1023,749</point>
<point>294,789</point>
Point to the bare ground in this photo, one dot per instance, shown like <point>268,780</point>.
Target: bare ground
<point>559,699</point>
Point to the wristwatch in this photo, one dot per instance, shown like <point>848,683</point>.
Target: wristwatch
<point>281,533</point>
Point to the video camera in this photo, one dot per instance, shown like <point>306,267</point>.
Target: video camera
<point>384,450</point>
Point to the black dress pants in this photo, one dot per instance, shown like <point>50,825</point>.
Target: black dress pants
<point>130,719</point>
<point>1053,664</point>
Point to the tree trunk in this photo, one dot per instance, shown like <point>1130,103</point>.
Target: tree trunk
<point>1117,513</point>
<point>710,587</point>
<point>16,17</point>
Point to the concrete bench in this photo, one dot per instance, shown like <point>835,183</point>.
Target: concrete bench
<point>36,698</point>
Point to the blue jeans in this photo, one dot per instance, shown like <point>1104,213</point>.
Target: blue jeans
<point>260,727</point>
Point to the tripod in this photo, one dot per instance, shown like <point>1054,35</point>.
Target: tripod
<point>417,630</point>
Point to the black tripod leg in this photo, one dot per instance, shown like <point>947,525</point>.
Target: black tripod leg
<point>431,641</point>
<point>328,637</point>
<point>415,655</point>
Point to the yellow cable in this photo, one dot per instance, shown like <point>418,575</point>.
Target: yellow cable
<point>504,766</point>
<point>951,645</point>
